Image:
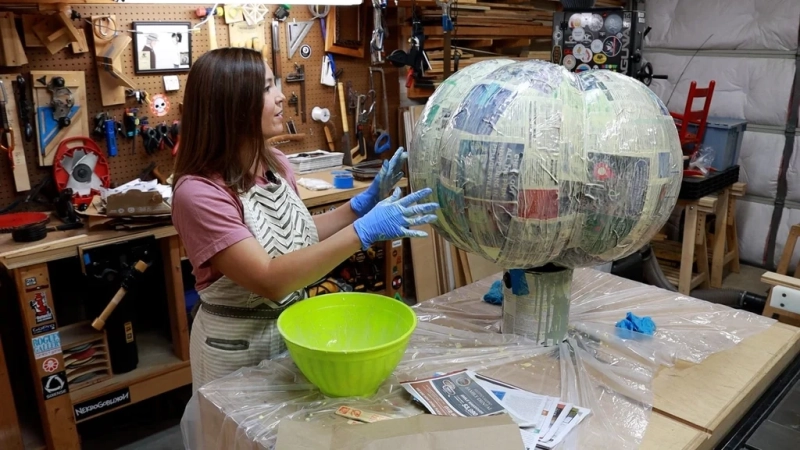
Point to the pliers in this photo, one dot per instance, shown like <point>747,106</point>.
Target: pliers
<point>363,120</point>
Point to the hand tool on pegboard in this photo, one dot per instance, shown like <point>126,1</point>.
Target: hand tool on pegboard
<point>24,108</point>
<point>282,12</point>
<point>352,97</point>
<point>152,138</point>
<point>276,53</point>
<point>128,283</point>
<point>299,76</point>
<point>209,14</point>
<point>59,113</point>
<point>166,136</point>
<point>174,133</point>
<point>151,172</point>
<point>329,137</point>
<point>347,160</point>
<point>294,101</point>
<point>6,133</point>
<point>131,122</point>
<point>106,127</point>
<point>378,31</point>
<point>383,141</point>
<point>362,119</point>
<point>296,32</point>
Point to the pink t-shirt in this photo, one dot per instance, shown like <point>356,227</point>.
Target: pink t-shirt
<point>210,218</point>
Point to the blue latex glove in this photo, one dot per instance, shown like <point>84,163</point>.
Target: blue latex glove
<point>391,218</point>
<point>644,325</point>
<point>495,294</point>
<point>519,285</point>
<point>391,172</point>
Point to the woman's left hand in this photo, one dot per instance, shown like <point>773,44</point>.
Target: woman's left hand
<point>390,174</point>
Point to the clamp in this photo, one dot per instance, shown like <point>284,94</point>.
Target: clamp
<point>299,76</point>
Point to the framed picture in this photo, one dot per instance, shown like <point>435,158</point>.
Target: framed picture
<point>162,47</point>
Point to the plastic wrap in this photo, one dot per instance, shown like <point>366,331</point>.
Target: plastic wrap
<point>702,160</point>
<point>532,164</point>
<point>600,367</point>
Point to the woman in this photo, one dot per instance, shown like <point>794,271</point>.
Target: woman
<point>253,244</point>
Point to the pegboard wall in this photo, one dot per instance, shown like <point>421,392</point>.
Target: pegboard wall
<point>129,163</point>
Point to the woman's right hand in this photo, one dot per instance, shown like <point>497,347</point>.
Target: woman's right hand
<point>392,218</point>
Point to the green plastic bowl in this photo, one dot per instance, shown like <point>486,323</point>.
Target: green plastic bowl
<point>347,344</point>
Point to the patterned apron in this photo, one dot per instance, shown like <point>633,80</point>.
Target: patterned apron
<point>233,327</point>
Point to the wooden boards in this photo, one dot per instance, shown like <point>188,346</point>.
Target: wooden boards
<point>11,52</point>
<point>240,34</point>
<point>108,54</point>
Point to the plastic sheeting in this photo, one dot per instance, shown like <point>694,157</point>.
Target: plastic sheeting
<point>601,367</point>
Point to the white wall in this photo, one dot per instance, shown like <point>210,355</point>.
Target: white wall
<point>749,47</point>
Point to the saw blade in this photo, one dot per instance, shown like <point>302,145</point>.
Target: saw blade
<point>80,167</point>
<point>67,163</point>
<point>79,188</point>
<point>89,159</point>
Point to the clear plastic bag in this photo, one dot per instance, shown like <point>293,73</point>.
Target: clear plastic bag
<point>599,366</point>
<point>702,160</point>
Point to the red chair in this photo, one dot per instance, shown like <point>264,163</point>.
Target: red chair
<point>690,142</point>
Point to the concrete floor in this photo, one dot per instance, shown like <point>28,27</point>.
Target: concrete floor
<point>748,279</point>
<point>155,424</point>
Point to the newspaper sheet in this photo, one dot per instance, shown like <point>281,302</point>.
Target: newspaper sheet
<point>527,409</point>
<point>544,421</point>
<point>454,394</point>
<point>574,416</point>
<point>559,416</point>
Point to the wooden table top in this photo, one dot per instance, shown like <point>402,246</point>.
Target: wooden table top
<point>694,405</point>
<point>64,244</point>
<point>714,395</point>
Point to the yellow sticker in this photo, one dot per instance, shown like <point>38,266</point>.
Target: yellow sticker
<point>600,58</point>
<point>128,332</point>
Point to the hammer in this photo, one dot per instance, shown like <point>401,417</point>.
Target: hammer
<point>127,285</point>
<point>152,171</point>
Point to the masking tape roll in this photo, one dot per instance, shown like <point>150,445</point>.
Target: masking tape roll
<point>321,114</point>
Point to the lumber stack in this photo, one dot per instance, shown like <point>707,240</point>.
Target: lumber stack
<point>485,29</point>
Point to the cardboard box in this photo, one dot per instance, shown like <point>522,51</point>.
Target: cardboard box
<point>136,203</point>
<point>422,432</point>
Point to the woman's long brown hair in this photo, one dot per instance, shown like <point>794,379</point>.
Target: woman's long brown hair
<point>221,122</point>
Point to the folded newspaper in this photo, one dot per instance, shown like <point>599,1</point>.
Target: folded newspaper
<point>544,421</point>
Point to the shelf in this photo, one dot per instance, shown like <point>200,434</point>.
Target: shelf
<point>673,275</point>
<point>159,371</point>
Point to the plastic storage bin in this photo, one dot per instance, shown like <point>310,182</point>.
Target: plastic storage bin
<point>725,137</point>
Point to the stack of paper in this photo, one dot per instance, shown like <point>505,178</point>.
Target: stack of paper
<point>139,185</point>
<point>315,161</point>
<point>544,421</point>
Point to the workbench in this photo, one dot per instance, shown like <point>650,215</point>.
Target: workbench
<point>163,366</point>
<point>694,405</point>
<point>695,401</point>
